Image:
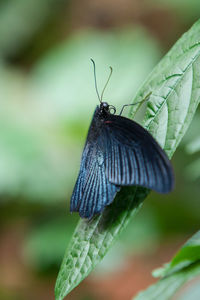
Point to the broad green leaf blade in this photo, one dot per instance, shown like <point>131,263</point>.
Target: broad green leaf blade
<point>166,287</point>
<point>174,84</point>
<point>187,255</point>
<point>184,266</point>
<point>92,239</point>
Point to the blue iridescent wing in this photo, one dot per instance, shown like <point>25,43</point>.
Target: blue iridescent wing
<point>133,157</point>
<point>92,191</point>
<point>118,152</point>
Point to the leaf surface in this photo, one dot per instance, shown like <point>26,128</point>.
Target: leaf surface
<point>183,267</point>
<point>165,288</point>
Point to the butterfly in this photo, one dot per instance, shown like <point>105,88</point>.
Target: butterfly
<point>118,152</point>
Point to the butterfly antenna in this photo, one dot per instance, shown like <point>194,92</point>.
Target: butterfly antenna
<point>95,80</point>
<point>111,70</point>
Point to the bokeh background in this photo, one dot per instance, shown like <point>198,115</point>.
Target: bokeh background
<point>47,99</point>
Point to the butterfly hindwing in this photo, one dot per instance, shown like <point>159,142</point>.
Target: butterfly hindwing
<point>92,191</point>
<point>133,157</point>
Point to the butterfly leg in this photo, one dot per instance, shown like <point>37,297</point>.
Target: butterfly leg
<point>145,99</point>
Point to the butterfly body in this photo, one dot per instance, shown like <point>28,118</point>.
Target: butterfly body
<point>118,152</point>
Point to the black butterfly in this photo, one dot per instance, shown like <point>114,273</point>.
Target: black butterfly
<point>118,152</point>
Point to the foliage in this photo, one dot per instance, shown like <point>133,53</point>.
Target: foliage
<point>174,84</point>
<point>184,266</point>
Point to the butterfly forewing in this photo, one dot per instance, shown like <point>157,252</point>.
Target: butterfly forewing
<point>92,191</point>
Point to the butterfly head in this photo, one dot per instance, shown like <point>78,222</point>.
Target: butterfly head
<point>106,108</point>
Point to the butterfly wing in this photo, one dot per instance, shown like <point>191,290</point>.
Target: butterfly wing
<point>92,191</point>
<point>133,157</point>
<point>118,152</point>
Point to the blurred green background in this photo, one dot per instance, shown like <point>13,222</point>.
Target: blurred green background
<point>47,99</point>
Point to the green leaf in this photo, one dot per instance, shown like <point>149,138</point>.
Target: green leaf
<point>92,239</point>
<point>174,84</point>
<point>184,266</point>
<point>187,255</point>
<point>191,291</point>
<point>166,287</point>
